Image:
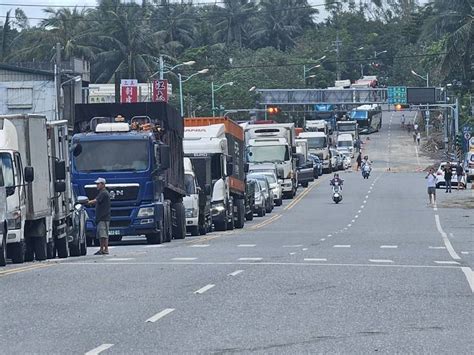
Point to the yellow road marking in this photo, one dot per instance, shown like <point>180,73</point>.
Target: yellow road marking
<point>264,223</point>
<point>23,269</point>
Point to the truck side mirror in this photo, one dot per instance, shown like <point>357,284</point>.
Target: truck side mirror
<point>281,173</point>
<point>293,150</point>
<point>246,168</point>
<point>164,153</point>
<point>10,190</point>
<point>82,200</point>
<point>29,174</point>
<point>230,169</point>
<point>60,170</point>
<point>207,189</point>
<point>59,187</point>
<point>77,149</point>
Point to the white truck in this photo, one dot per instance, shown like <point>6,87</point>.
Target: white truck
<point>274,143</point>
<point>318,144</point>
<point>345,144</point>
<point>348,127</point>
<point>3,220</point>
<point>317,126</point>
<point>35,162</point>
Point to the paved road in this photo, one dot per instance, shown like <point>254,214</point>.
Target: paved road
<point>380,272</point>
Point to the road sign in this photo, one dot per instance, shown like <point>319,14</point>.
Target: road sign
<point>397,94</point>
<point>467,135</point>
<point>160,90</point>
<point>128,90</point>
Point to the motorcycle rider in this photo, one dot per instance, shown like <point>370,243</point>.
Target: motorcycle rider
<point>336,180</point>
<point>366,166</point>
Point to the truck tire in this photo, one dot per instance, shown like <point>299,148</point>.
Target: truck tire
<point>261,212</point>
<point>180,218</point>
<point>230,224</point>
<point>194,230</point>
<point>168,226</point>
<point>50,250</point>
<point>62,247</point>
<point>278,202</point>
<point>203,229</point>
<point>75,248</point>
<point>84,248</point>
<point>305,184</point>
<point>3,249</point>
<point>249,216</point>
<point>40,248</point>
<point>240,220</point>
<point>16,252</point>
<point>221,226</point>
<point>157,237</point>
<point>29,249</point>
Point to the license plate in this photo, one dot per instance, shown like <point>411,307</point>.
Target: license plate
<point>115,232</point>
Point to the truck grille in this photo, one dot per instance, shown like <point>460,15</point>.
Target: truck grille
<point>120,224</point>
<point>118,192</point>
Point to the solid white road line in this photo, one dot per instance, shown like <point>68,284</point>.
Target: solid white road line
<point>436,247</point>
<point>469,276</point>
<point>250,259</point>
<point>388,246</point>
<point>293,246</point>
<point>155,246</point>
<point>381,261</point>
<point>99,349</point>
<point>199,246</point>
<point>204,289</point>
<point>160,315</point>
<point>446,241</point>
<point>341,246</point>
<point>183,259</point>
<point>450,262</point>
<point>118,259</point>
<point>315,259</point>
<point>246,245</point>
<point>235,273</point>
<point>304,249</point>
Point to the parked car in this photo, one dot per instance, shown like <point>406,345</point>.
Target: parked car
<point>266,190</point>
<point>275,185</point>
<point>250,199</point>
<point>259,205</point>
<point>469,166</point>
<point>305,170</point>
<point>317,165</point>
<point>440,175</point>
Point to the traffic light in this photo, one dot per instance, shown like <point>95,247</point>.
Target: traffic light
<point>400,107</point>
<point>458,140</point>
<point>273,110</point>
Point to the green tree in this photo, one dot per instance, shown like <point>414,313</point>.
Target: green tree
<point>233,20</point>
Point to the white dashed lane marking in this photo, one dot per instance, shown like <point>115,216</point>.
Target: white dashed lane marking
<point>315,259</point>
<point>160,315</point>
<point>246,245</point>
<point>341,246</point>
<point>386,261</point>
<point>183,259</point>
<point>99,349</point>
<point>199,246</point>
<point>204,289</point>
<point>388,246</point>
<point>236,272</point>
<point>450,262</point>
<point>250,259</point>
<point>436,247</point>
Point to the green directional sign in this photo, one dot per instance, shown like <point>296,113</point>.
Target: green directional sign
<point>397,94</point>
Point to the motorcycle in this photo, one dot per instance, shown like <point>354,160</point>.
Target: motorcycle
<point>336,193</point>
<point>366,169</point>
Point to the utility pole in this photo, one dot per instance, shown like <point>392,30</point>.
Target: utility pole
<point>337,44</point>
<point>57,79</point>
<point>162,68</point>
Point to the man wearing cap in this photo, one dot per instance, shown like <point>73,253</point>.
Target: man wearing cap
<point>102,216</point>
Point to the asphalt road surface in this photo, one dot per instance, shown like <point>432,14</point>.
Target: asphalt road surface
<point>380,272</point>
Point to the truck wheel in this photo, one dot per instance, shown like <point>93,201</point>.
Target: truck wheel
<point>39,245</point>
<point>194,231</point>
<point>305,184</point>
<point>249,216</point>
<point>84,247</point>
<point>261,212</point>
<point>157,237</point>
<point>50,250</point>
<point>180,228</point>
<point>29,249</point>
<point>203,229</point>
<point>278,202</point>
<point>75,248</point>
<point>168,223</point>
<point>240,220</point>
<point>62,248</point>
<point>16,252</point>
<point>230,222</point>
<point>3,249</point>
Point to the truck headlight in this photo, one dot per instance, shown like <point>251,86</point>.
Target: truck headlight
<point>146,212</point>
<point>191,213</point>
<point>218,208</point>
<point>14,220</point>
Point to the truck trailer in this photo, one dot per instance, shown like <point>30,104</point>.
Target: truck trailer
<point>137,148</point>
<point>220,142</point>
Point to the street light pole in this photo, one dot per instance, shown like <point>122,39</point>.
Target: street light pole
<point>212,99</point>
<point>162,67</point>
<point>181,95</point>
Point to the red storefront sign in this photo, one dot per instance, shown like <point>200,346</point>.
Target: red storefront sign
<point>160,90</point>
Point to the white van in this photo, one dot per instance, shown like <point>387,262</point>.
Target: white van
<point>345,144</point>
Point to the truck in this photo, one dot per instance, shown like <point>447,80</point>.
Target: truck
<point>319,144</point>
<point>317,126</point>
<point>326,112</point>
<point>196,201</point>
<point>304,165</point>
<point>348,127</point>
<point>219,141</point>
<point>3,220</point>
<point>138,149</point>
<point>274,143</point>
<point>40,205</point>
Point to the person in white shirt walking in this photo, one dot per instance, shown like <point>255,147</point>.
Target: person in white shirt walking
<point>431,184</point>
<point>418,138</point>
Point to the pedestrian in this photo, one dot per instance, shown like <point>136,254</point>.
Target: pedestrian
<point>418,138</point>
<point>460,175</point>
<point>448,175</point>
<point>414,137</point>
<point>102,216</point>
<point>415,127</point>
<point>359,161</point>
<point>431,184</point>
<point>403,120</point>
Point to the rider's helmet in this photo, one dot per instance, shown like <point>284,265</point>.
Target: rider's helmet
<point>336,175</point>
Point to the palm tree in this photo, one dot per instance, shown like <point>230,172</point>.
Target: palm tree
<point>5,37</point>
<point>233,19</point>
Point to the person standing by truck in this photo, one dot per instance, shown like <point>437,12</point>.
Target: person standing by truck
<point>102,216</point>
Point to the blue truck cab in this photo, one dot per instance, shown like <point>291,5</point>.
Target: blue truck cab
<point>134,148</point>
<point>326,112</point>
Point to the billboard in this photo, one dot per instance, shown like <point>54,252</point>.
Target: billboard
<point>420,96</point>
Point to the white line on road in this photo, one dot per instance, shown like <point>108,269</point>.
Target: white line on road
<point>315,259</point>
<point>293,246</point>
<point>388,246</point>
<point>449,262</point>
<point>465,252</point>
<point>329,235</point>
<point>155,246</point>
<point>99,349</point>
<point>356,216</point>
<point>353,220</point>
<point>446,241</point>
<point>469,276</point>
<point>436,247</point>
<point>365,201</point>
<point>293,253</point>
<point>304,249</point>
<point>362,206</point>
<point>322,239</point>
<point>183,259</point>
<point>118,259</point>
<point>204,289</point>
<point>246,245</point>
<point>160,315</point>
<point>387,261</point>
<point>359,211</point>
<point>199,246</point>
<point>366,196</point>
<point>341,246</point>
<point>349,225</point>
<point>235,273</point>
<point>250,259</point>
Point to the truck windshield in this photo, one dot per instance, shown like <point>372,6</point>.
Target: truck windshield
<point>346,128</point>
<point>119,155</point>
<point>268,154</point>
<point>189,184</point>
<point>316,142</point>
<point>344,144</point>
<point>359,115</point>
<point>6,165</point>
